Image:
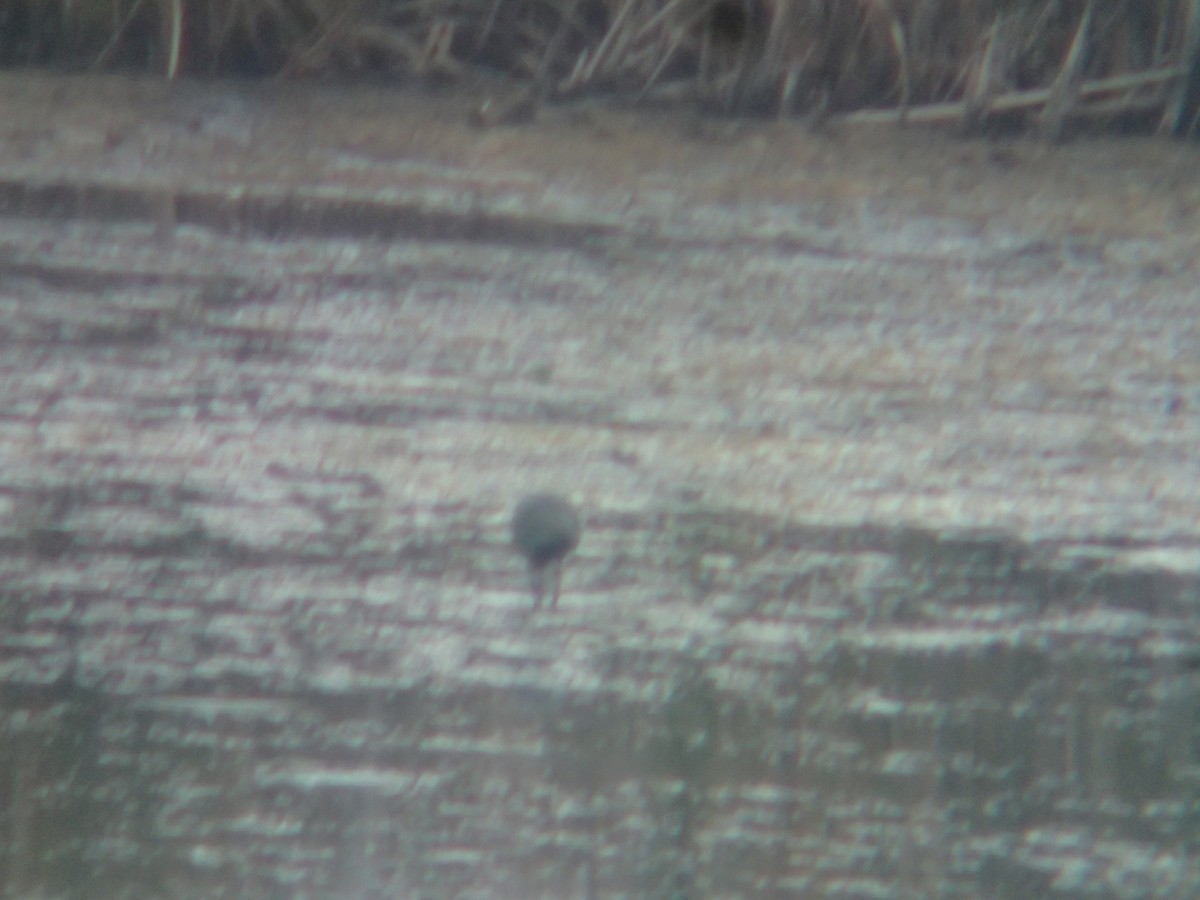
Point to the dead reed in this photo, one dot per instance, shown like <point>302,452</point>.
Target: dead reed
<point>1050,64</point>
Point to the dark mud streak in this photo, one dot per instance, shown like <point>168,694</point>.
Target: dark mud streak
<point>290,215</point>
<point>282,216</point>
<point>216,291</point>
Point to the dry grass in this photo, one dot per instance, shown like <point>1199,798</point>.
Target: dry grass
<point>978,62</point>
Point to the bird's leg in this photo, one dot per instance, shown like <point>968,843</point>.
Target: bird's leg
<point>537,580</point>
<point>557,576</point>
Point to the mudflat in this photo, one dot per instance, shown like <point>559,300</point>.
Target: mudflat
<point>884,443</point>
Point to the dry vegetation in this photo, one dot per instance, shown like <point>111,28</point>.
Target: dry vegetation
<point>1050,63</point>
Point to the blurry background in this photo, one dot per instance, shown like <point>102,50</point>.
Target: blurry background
<point>884,441</point>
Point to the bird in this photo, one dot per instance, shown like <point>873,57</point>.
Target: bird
<point>545,528</point>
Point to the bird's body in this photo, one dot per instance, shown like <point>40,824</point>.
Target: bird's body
<point>545,528</point>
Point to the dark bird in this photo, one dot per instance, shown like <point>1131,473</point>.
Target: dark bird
<point>545,529</point>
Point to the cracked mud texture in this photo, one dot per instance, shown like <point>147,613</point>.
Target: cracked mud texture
<point>885,444</point>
